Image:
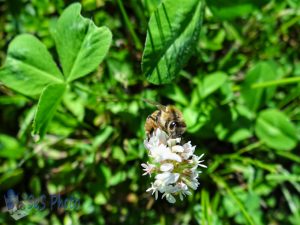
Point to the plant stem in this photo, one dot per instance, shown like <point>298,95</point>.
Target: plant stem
<point>276,82</point>
<point>249,148</point>
<point>135,38</point>
<point>222,184</point>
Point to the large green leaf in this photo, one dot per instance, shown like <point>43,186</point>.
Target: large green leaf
<point>224,9</point>
<point>29,66</point>
<point>80,44</point>
<point>274,128</point>
<point>172,34</point>
<point>261,72</point>
<point>48,102</point>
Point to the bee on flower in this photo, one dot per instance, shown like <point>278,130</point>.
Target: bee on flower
<point>173,165</point>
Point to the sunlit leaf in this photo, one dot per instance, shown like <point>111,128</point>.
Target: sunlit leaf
<point>172,34</point>
<point>211,83</point>
<point>80,44</point>
<point>48,102</point>
<point>29,67</point>
<point>253,97</point>
<point>11,178</point>
<point>224,9</point>
<point>10,147</point>
<point>274,128</point>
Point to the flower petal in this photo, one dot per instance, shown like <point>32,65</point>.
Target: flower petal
<point>177,148</point>
<point>167,178</point>
<point>172,142</point>
<point>166,167</point>
<point>170,198</point>
<point>168,155</point>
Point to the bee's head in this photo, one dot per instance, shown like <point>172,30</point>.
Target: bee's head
<point>176,128</point>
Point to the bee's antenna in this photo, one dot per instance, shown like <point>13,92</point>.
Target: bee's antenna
<point>158,105</point>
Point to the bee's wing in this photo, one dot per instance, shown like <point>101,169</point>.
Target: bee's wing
<point>158,105</point>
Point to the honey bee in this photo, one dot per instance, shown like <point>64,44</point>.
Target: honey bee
<point>167,118</point>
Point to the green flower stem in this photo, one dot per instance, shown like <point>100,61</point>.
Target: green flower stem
<point>276,82</point>
<point>135,38</point>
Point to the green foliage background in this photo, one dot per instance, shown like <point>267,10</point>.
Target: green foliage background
<point>239,93</point>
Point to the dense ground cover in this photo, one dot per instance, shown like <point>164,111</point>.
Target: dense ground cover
<point>237,86</point>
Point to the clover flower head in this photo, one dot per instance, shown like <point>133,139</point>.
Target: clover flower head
<point>174,165</point>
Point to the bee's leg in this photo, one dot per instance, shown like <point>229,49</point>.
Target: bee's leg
<point>182,140</point>
<point>149,134</point>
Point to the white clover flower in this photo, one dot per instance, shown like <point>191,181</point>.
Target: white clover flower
<point>174,165</point>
